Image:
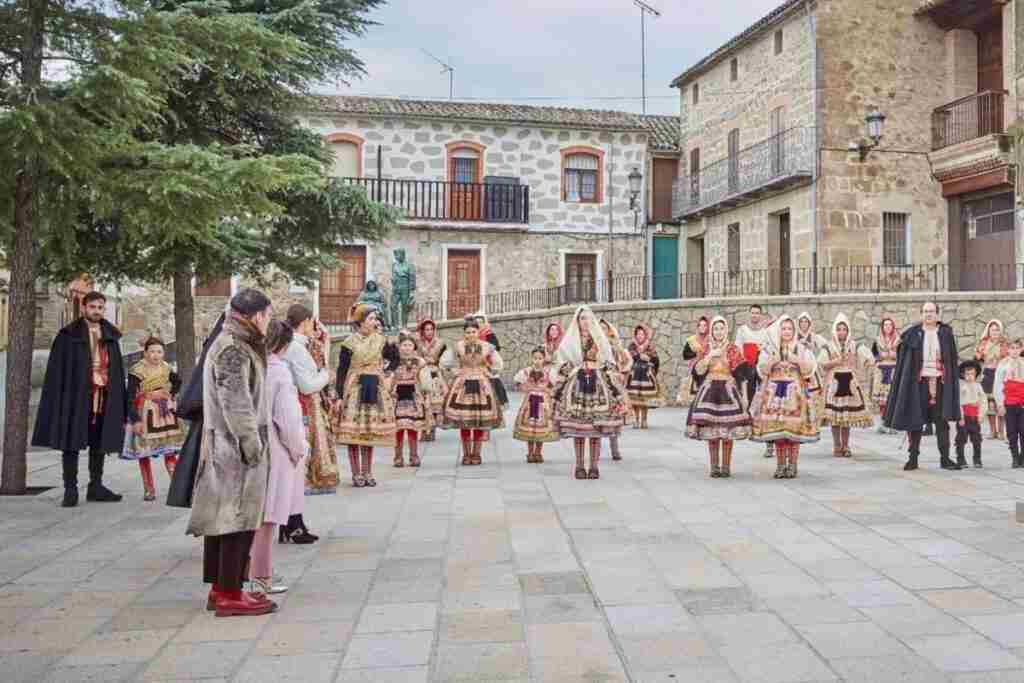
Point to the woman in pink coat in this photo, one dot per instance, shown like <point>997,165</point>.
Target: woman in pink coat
<point>288,452</point>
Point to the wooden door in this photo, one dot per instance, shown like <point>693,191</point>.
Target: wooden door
<point>665,173</point>
<point>580,277</point>
<point>340,288</point>
<point>988,255</point>
<point>990,56</point>
<point>219,287</point>
<point>465,192</point>
<point>666,267</point>
<point>463,283</point>
<point>785,280</point>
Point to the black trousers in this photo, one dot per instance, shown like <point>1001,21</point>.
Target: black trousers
<point>969,431</point>
<point>69,459</point>
<point>1015,428</point>
<point>933,416</point>
<point>226,559</point>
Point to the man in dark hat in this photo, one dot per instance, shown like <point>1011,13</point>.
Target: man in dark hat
<point>925,387</point>
<point>84,401</point>
<point>973,404</point>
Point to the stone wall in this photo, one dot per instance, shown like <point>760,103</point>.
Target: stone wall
<point>879,55</point>
<point>416,150</point>
<point>673,321</point>
<point>759,229</point>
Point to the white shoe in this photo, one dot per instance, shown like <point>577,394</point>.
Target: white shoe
<point>273,586</point>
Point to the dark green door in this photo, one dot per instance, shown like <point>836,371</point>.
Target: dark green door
<point>666,267</point>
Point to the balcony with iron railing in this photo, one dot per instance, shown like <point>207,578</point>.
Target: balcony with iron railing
<point>770,166</point>
<point>438,200</point>
<point>969,118</point>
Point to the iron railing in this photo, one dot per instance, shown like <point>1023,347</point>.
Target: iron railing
<point>447,201</point>
<point>788,154</point>
<point>745,283</point>
<point>968,118</point>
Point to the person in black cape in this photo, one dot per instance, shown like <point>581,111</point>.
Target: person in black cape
<point>926,385</point>
<point>84,402</point>
<point>190,407</point>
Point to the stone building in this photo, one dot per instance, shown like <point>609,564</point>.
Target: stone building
<point>778,173</point>
<point>499,198</point>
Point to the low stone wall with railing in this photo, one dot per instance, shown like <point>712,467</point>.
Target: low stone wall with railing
<point>674,320</point>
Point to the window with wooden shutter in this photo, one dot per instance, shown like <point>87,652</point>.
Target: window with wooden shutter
<point>733,247</point>
<point>778,42</point>
<point>734,160</point>
<point>696,93</point>
<point>695,175</point>
<point>734,69</point>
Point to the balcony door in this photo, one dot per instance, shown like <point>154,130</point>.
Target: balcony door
<point>580,277</point>
<point>339,288</point>
<point>990,55</point>
<point>465,196</point>
<point>734,161</point>
<point>777,148</point>
<point>463,282</point>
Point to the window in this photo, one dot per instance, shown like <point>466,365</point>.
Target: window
<point>581,174</point>
<point>989,216</point>
<point>348,155</point>
<point>734,160</point>
<point>733,246</point>
<point>695,175</point>
<point>734,70</point>
<point>464,164</point>
<point>580,276</point>
<point>778,42</point>
<point>696,93</point>
<point>776,125</point>
<point>894,238</point>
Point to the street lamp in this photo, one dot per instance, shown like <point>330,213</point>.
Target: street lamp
<point>875,121</point>
<point>635,185</point>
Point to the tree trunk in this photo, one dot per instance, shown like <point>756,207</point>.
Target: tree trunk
<point>22,264</point>
<point>184,322</point>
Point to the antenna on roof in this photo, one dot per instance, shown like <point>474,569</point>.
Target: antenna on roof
<point>445,68</point>
<point>645,9</point>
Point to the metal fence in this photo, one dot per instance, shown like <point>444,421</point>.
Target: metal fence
<point>743,283</point>
<point>968,118</point>
<point>443,200</point>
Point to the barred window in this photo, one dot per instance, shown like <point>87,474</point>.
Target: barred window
<point>990,215</point>
<point>733,232</point>
<point>696,93</point>
<point>734,69</point>
<point>894,238</point>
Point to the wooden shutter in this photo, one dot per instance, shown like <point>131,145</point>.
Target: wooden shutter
<point>339,288</point>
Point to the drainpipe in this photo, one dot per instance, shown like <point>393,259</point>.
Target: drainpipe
<point>812,28</point>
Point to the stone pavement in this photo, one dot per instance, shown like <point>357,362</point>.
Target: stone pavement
<point>855,571</point>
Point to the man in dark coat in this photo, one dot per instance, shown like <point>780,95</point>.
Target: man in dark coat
<point>84,400</point>
<point>926,385</point>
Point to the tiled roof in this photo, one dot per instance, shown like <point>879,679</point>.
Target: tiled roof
<point>664,133</point>
<point>593,119</point>
<point>716,56</point>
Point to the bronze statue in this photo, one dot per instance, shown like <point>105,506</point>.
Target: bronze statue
<point>372,295</point>
<point>403,289</point>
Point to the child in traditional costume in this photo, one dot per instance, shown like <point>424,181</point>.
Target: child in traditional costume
<point>991,349</point>
<point>155,431</point>
<point>643,387</point>
<point>472,405</point>
<point>589,402</point>
<point>845,403</point>
<point>432,348</point>
<point>884,351</point>
<point>782,411</point>
<point>973,405</point>
<point>1008,390</point>
<point>693,350</point>
<point>411,387</point>
<point>623,364</point>
<point>719,414</point>
<point>535,422</point>
<point>366,416</point>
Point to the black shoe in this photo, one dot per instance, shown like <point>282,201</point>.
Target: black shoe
<point>70,498</point>
<point>911,464</point>
<point>961,461</point>
<point>1018,462</point>
<point>977,462</point>
<point>947,464</point>
<point>98,493</point>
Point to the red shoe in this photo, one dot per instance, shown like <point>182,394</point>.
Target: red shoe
<point>211,599</point>
<point>239,604</point>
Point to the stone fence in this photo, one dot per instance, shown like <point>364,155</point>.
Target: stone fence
<point>674,320</point>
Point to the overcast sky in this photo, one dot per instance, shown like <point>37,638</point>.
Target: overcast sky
<point>578,50</point>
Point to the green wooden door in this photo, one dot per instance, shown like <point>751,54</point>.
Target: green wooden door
<point>666,267</point>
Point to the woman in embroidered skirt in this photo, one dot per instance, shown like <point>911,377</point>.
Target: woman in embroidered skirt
<point>535,422</point>
<point>845,403</point>
<point>623,364</point>
<point>883,349</point>
<point>553,334</point>
<point>718,414</point>
<point>590,404</point>
<point>155,430</point>
<point>471,405</point>
<point>992,348</point>
<point>695,347</point>
<point>431,349</point>
<point>643,386</point>
<point>365,418</point>
<point>814,343</point>
<point>782,411</point>
<point>411,388</point>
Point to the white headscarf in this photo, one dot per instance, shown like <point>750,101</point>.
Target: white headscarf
<point>775,332</point>
<point>571,349</point>
<point>712,342</point>
<point>849,345</point>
